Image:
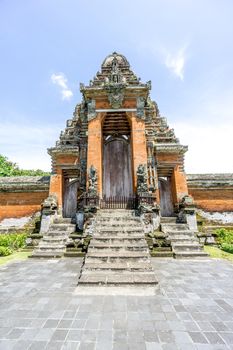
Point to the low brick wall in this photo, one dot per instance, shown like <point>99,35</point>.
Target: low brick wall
<point>22,195</point>
<point>212,192</point>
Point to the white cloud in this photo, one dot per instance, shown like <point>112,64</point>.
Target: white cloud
<point>210,146</point>
<point>28,145</point>
<point>66,94</point>
<point>61,80</point>
<point>175,63</point>
<point>174,60</point>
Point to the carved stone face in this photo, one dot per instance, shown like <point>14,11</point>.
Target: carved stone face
<point>116,98</point>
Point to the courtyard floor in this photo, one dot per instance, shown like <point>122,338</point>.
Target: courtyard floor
<point>191,308</point>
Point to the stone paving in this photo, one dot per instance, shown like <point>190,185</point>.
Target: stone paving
<point>192,308</point>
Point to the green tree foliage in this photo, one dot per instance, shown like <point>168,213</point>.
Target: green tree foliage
<point>8,168</point>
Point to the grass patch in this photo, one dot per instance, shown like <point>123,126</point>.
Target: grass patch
<point>14,256</point>
<point>215,252</point>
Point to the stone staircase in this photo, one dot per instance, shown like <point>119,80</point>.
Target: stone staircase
<point>53,244</point>
<point>184,242</point>
<point>118,253</point>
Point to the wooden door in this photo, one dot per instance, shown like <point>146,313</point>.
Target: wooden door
<point>166,205</point>
<point>70,198</point>
<point>117,171</point>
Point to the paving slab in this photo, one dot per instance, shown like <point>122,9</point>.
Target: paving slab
<point>41,307</point>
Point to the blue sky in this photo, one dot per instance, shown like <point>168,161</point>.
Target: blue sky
<point>184,47</point>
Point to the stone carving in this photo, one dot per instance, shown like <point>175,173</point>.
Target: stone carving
<point>91,110</point>
<point>187,211</point>
<point>81,87</point>
<point>116,97</point>
<point>115,76</point>
<point>140,107</point>
<point>92,181</point>
<point>49,205</point>
<point>114,65</point>
<point>83,173</point>
<point>142,179</point>
<point>187,201</point>
<point>147,208</point>
<point>148,84</point>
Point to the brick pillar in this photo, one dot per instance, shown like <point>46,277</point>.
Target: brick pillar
<point>94,150</point>
<point>139,151</point>
<point>56,186</point>
<point>179,184</point>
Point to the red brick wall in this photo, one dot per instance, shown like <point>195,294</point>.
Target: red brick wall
<point>179,185</point>
<point>213,199</point>
<point>138,143</point>
<point>94,152</point>
<point>56,187</point>
<point>20,204</point>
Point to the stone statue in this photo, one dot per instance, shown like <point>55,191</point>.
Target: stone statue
<point>92,181</point>
<point>140,107</point>
<point>114,66</point>
<point>142,179</point>
<point>81,87</point>
<point>49,205</point>
<point>91,109</point>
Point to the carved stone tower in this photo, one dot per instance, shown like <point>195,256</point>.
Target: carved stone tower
<point>117,145</point>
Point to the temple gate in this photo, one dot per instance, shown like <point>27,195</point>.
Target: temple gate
<point>118,152</point>
<point>115,133</point>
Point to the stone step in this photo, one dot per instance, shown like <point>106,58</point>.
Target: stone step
<point>70,254</point>
<point>57,233</point>
<point>186,247</point>
<point>120,229</point>
<point>183,239</point>
<point>121,226</point>
<point>116,212</point>
<point>61,220</point>
<point>49,246</point>
<point>122,245</point>
<point>168,219</point>
<point>118,234</point>
<point>118,216</point>
<point>190,254</point>
<point>54,239</point>
<point>186,233</point>
<point>122,219</point>
<point>118,240</point>
<point>165,254</point>
<point>120,254</point>
<point>47,255</point>
<point>126,265</point>
<point>62,227</point>
<point>174,227</point>
<point>118,248</point>
<point>118,279</point>
<point>117,259</point>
